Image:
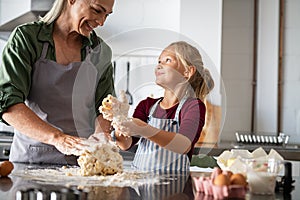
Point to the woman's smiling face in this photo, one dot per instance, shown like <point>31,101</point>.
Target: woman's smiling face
<point>169,71</point>
<point>89,14</point>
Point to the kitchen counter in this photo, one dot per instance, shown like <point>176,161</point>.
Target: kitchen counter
<point>288,152</point>
<point>171,186</point>
<point>21,187</point>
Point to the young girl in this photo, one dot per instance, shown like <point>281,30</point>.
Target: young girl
<point>169,126</point>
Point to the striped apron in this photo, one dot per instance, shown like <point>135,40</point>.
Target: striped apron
<point>151,157</point>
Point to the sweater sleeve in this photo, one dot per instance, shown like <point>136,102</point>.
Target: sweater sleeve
<point>141,112</point>
<point>15,70</point>
<point>192,119</point>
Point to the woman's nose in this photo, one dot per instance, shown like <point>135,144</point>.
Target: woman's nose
<point>101,20</point>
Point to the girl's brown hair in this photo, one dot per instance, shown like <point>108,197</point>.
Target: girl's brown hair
<point>201,81</point>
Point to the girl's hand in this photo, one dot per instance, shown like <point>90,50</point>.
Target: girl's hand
<point>99,137</point>
<point>135,127</point>
<point>114,109</point>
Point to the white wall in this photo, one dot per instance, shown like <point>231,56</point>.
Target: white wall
<point>12,8</point>
<point>237,65</point>
<point>207,35</point>
<point>237,46</point>
<point>267,65</point>
<point>291,72</point>
<point>137,24</point>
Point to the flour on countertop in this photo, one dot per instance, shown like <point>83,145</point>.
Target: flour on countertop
<point>70,176</point>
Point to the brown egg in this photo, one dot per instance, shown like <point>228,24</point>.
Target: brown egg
<point>227,173</point>
<point>221,180</point>
<point>5,168</point>
<point>238,179</point>
<point>215,173</point>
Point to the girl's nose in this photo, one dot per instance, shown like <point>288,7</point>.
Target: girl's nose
<point>159,66</point>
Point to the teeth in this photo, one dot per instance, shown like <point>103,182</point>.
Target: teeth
<point>90,26</point>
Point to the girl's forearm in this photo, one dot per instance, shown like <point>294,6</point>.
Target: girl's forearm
<point>172,141</point>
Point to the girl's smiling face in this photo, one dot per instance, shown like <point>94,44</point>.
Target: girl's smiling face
<point>170,71</point>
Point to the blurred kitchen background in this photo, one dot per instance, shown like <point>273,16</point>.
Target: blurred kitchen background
<point>250,46</point>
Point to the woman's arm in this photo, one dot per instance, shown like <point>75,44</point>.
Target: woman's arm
<point>28,123</point>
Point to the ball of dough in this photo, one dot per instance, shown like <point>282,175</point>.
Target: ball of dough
<point>102,158</point>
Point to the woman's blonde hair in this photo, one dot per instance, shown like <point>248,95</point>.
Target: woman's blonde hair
<point>201,81</point>
<point>54,12</point>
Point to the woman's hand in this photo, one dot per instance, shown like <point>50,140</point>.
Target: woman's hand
<point>70,145</point>
<point>135,127</point>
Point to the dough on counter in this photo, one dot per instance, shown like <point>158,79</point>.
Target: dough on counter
<point>100,158</point>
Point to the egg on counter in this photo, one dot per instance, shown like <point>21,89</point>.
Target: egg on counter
<point>5,168</point>
<point>238,179</point>
<point>228,173</point>
<point>222,184</point>
<point>222,180</point>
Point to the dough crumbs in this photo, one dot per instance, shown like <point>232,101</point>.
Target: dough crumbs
<point>117,108</point>
<point>69,174</point>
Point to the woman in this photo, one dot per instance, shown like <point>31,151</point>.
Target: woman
<point>54,73</point>
<point>169,126</point>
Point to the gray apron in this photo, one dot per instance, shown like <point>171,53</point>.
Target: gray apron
<point>63,96</point>
<point>151,157</point>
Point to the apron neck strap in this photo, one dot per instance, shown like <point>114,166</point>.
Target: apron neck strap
<point>182,101</point>
<point>154,107</point>
<point>176,118</point>
<point>45,49</point>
